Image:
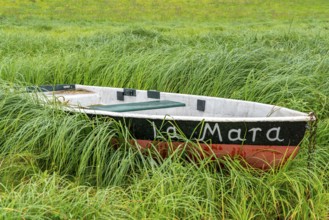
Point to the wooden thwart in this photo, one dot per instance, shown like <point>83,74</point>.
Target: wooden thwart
<point>138,106</point>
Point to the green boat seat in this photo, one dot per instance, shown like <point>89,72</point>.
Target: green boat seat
<point>138,106</point>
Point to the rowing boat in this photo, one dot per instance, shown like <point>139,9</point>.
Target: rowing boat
<point>263,135</point>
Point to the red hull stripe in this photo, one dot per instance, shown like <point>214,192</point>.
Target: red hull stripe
<point>258,156</point>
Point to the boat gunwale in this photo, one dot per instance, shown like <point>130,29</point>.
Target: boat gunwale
<point>305,118</point>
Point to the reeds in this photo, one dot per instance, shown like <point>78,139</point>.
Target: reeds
<point>60,165</point>
<point>57,165</point>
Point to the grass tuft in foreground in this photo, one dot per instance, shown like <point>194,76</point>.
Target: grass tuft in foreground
<point>59,165</point>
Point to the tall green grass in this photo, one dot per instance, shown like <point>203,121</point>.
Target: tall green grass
<point>171,10</point>
<point>56,165</point>
<point>283,67</point>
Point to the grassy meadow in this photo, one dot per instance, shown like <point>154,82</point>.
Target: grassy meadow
<point>55,165</point>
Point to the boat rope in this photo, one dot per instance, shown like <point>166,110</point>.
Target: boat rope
<point>313,124</point>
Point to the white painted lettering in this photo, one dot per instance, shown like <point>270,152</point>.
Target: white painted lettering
<point>212,131</point>
<point>155,131</point>
<point>272,134</point>
<point>276,132</point>
<point>237,135</point>
<point>172,132</point>
<point>254,133</point>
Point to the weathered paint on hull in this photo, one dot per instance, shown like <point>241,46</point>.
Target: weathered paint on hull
<point>257,156</point>
<point>256,149</point>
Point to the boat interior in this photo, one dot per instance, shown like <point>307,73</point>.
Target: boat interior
<point>108,99</point>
